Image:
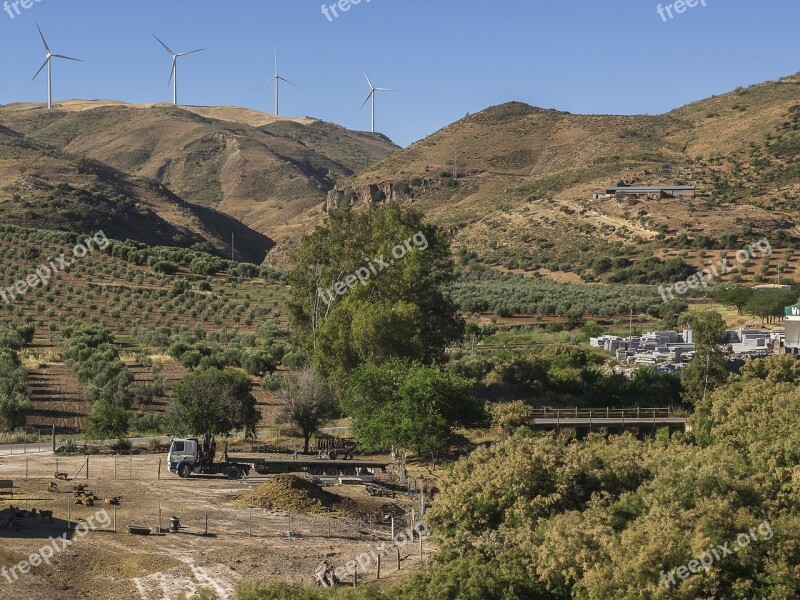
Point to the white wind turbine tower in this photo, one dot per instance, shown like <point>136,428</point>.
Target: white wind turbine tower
<point>372,93</point>
<point>173,74</point>
<point>277,79</point>
<point>48,62</point>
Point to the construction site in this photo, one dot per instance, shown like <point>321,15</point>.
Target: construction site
<point>105,526</point>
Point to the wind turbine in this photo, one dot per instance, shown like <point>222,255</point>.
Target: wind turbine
<point>173,74</point>
<point>48,62</point>
<point>372,93</point>
<point>277,79</point>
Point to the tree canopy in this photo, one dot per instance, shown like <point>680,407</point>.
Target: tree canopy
<point>216,401</point>
<point>410,406</point>
<point>396,309</point>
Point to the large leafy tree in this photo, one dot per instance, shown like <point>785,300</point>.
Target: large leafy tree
<point>309,403</point>
<point>14,403</point>
<point>216,401</point>
<point>709,367</point>
<point>410,406</point>
<point>401,309</point>
<point>108,420</point>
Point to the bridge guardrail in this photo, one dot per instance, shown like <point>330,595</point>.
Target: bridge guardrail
<point>608,413</point>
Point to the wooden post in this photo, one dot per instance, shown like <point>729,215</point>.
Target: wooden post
<point>87,467</point>
<point>206,533</point>
<point>159,517</point>
<point>398,559</point>
<point>379,566</point>
<point>420,548</point>
<point>69,513</point>
<point>159,469</point>
<point>54,443</point>
<point>355,576</point>
<point>115,518</point>
<point>393,529</point>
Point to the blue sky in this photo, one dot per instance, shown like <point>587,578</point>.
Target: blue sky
<point>447,57</point>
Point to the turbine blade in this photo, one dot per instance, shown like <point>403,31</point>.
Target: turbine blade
<point>188,53</point>
<point>67,57</point>
<point>163,44</point>
<point>385,90</point>
<point>368,81</point>
<point>265,85</point>
<point>367,100</point>
<point>174,67</point>
<point>44,41</point>
<point>47,60</point>
<point>276,62</point>
<point>287,81</point>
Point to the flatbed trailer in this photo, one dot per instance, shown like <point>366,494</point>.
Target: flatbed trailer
<point>318,467</point>
<point>188,456</point>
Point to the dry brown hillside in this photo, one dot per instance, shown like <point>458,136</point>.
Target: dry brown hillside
<point>45,188</point>
<point>523,196</point>
<point>261,169</point>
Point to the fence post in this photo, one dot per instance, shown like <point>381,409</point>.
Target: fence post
<point>355,575</point>
<point>206,533</point>
<point>379,566</point>
<point>398,558</point>
<point>87,467</point>
<point>69,513</point>
<point>159,469</point>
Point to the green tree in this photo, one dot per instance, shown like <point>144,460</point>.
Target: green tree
<point>310,403</point>
<point>403,295</point>
<point>709,367</point>
<point>108,420</point>
<point>410,406</point>
<point>216,401</point>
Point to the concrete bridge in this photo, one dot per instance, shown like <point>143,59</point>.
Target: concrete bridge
<point>615,421</point>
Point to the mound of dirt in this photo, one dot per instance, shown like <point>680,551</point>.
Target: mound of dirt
<point>290,493</point>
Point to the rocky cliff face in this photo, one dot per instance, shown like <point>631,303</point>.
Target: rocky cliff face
<point>375,193</point>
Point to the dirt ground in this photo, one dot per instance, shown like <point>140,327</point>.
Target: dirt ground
<point>241,544</point>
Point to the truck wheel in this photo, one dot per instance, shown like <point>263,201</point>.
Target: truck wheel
<point>184,470</point>
<point>234,472</point>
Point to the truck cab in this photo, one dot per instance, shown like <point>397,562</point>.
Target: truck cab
<point>188,456</point>
<point>182,456</point>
